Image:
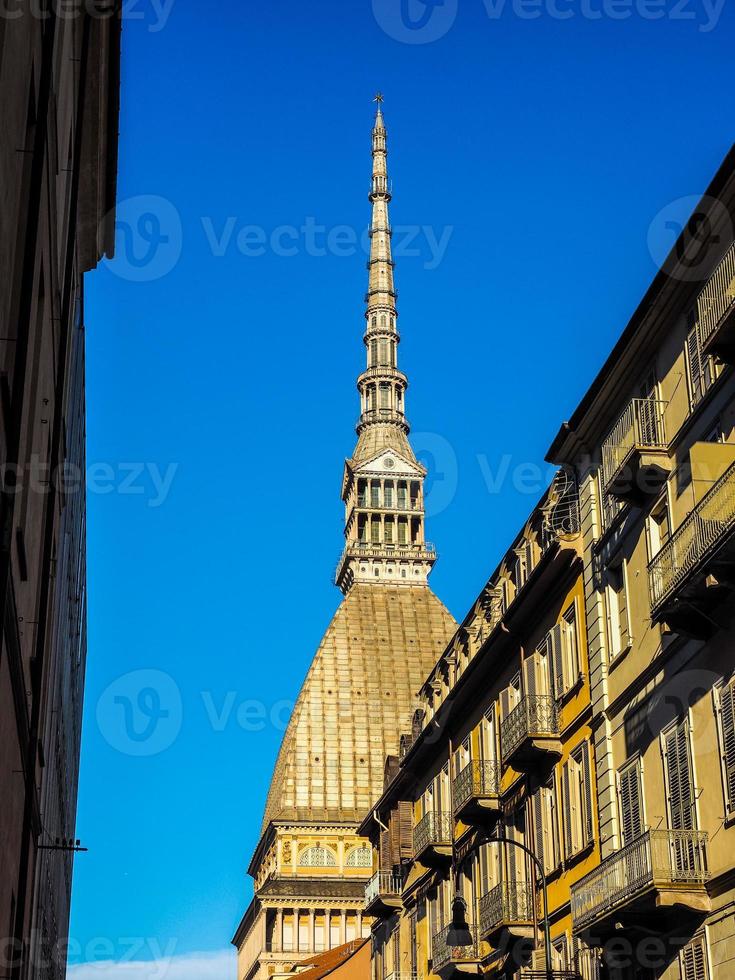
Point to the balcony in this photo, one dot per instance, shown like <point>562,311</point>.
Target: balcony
<point>447,961</point>
<point>635,458</point>
<point>432,838</point>
<point>716,310</point>
<point>510,908</point>
<point>386,552</point>
<point>383,894</point>
<point>530,733</point>
<point>475,792</point>
<point>658,870</point>
<point>688,576</point>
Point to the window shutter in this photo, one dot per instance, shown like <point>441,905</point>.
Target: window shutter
<point>587,821</point>
<point>538,826</point>
<point>560,681</point>
<point>631,809</point>
<point>694,960</point>
<point>623,608</point>
<point>386,861</point>
<point>529,674</point>
<point>567,797</point>
<point>727,725</point>
<point>694,359</point>
<point>678,772</point>
<point>405,820</point>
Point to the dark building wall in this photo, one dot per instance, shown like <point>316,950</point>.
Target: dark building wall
<point>59,93</point>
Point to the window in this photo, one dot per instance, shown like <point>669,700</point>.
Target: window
<point>385,396</point>
<point>362,494</point>
<point>402,496</point>
<point>388,495</point>
<point>317,857</point>
<point>679,776</point>
<point>383,351</point>
<point>375,530</point>
<point>375,494</point>
<point>577,801</point>
<point>564,645</point>
<point>560,953</point>
<point>536,671</point>
<point>701,369</point>
<point>402,531</point>
<point>630,796</point>
<point>693,959</point>
<point>725,711</point>
<point>360,857</point>
<point>373,353</point>
<point>546,826</point>
<point>616,602</point>
<point>510,697</point>
<point>389,530</point>
<point>658,528</point>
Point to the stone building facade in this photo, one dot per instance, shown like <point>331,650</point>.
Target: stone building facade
<point>59,92</point>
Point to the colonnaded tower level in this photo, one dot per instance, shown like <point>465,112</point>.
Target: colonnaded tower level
<point>310,868</point>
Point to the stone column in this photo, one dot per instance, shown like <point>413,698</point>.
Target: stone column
<point>312,946</point>
<point>279,930</point>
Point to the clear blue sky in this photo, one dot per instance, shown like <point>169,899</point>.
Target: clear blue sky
<point>547,148</point>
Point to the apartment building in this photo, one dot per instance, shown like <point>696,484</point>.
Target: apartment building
<point>653,447</point>
<point>493,795</point>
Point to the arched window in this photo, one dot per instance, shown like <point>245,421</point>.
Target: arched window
<point>360,857</point>
<point>317,857</point>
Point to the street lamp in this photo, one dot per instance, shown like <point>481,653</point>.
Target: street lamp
<point>458,933</point>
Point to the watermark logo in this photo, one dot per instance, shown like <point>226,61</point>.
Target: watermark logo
<point>693,227</point>
<point>415,21</point>
<point>148,238</point>
<point>140,713</point>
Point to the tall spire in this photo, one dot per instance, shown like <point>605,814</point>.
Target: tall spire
<point>383,486</point>
<point>382,386</point>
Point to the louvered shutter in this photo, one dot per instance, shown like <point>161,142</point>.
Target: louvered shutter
<point>558,673</point>
<point>405,821</point>
<point>727,723</point>
<point>386,860</point>
<point>623,609</point>
<point>678,770</point>
<point>530,678</point>
<point>631,809</point>
<point>587,819</point>
<point>694,960</point>
<point>538,826</point>
<point>694,359</point>
<point>566,789</point>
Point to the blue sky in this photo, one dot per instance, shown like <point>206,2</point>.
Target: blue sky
<point>540,151</point>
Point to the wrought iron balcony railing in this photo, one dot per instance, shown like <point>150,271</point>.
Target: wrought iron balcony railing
<point>508,903</point>
<point>699,535</point>
<point>443,955</point>
<point>656,859</point>
<point>641,426</point>
<point>477,779</point>
<point>535,716</point>
<point>433,830</point>
<point>383,884</point>
<point>717,299</point>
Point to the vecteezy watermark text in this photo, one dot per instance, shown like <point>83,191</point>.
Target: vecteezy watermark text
<point>132,479</point>
<point>154,13</point>
<point>425,21</point>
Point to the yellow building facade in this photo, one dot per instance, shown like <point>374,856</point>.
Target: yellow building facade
<point>653,446</point>
<point>500,758</point>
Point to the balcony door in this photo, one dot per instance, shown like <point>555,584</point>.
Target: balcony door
<point>536,672</point>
